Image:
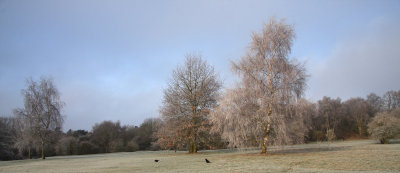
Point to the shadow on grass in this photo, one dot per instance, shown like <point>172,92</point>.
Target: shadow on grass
<point>307,150</point>
<point>391,141</point>
<point>231,150</point>
<point>394,141</point>
<point>277,150</point>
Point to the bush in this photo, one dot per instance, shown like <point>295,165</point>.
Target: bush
<point>385,126</point>
<point>330,135</point>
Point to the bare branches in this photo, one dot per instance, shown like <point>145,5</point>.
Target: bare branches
<point>42,109</point>
<point>271,84</point>
<point>191,94</point>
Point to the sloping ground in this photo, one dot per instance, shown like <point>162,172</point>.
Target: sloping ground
<point>352,156</point>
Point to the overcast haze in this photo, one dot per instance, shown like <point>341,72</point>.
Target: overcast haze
<point>111,60</point>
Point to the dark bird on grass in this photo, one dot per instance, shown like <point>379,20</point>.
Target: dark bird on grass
<point>207,161</point>
<point>156,160</point>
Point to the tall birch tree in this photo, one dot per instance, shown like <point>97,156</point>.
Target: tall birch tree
<point>270,85</point>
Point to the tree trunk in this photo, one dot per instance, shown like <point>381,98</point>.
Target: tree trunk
<point>270,104</point>
<point>267,131</point>
<point>264,145</point>
<point>29,152</point>
<point>265,140</point>
<point>43,157</point>
<point>359,124</point>
<point>193,147</point>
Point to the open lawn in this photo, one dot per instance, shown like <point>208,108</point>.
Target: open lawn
<point>353,156</point>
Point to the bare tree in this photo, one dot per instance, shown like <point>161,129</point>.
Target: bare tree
<point>107,135</point>
<point>146,133</point>
<point>42,109</point>
<point>8,131</point>
<point>67,145</point>
<point>331,111</point>
<point>391,100</point>
<point>190,96</point>
<point>305,111</point>
<point>272,83</point>
<point>24,139</point>
<point>358,109</point>
<point>375,102</point>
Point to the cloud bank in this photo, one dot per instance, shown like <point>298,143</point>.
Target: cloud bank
<point>366,61</point>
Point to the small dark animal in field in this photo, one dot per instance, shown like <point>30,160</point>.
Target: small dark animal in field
<point>207,161</point>
<point>156,163</point>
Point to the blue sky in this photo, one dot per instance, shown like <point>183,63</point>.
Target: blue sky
<point>111,59</point>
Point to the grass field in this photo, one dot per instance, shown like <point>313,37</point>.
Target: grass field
<point>352,156</point>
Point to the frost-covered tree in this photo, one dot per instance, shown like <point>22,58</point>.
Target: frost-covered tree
<point>191,95</point>
<point>41,113</point>
<point>262,106</point>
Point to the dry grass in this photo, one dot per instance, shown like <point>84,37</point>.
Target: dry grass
<point>348,156</point>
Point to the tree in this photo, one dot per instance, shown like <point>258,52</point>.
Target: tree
<point>331,111</point>
<point>67,145</point>
<point>8,130</point>
<point>308,112</point>
<point>42,109</point>
<point>25,138</point>
<point>107,135</point>
<point>190,96</point>
<point>271,83</point>
<point>391,100</point>
<point>385,126</point>
<point>358,109</point>
<point>146,133</point>
<point>375,102</point>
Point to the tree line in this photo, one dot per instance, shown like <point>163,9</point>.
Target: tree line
<point>105,137</point>
<point>265,107</point>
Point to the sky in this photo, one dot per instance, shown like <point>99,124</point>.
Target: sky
<point>111,60</point>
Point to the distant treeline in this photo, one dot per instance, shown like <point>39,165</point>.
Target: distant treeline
<point>349,119</point>
<point>105,137</point>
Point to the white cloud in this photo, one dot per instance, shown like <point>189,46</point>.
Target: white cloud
<point>366,61</point>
